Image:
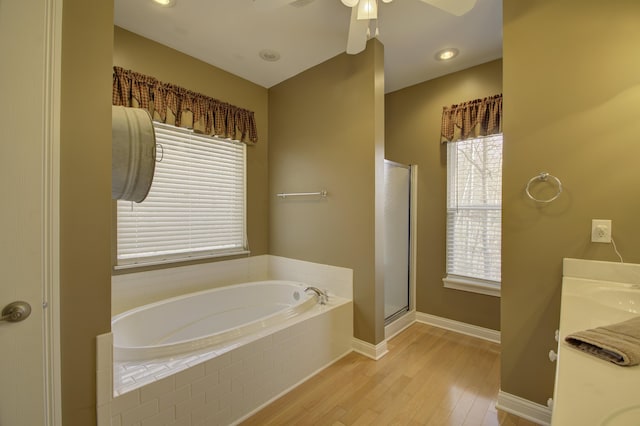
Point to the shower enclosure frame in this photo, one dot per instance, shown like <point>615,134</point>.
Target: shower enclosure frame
<point>403,319</point>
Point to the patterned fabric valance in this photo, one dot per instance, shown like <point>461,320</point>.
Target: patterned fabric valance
<point>472,119</point>
<point>181,107</point>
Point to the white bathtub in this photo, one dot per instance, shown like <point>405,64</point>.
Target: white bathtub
<point>205,319</point>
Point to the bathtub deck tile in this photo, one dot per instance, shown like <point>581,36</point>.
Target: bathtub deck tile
<point>217,391</point>
<point>129,388</point>
<point>175,363</point>
<point>166,373</point>
<point>245,378</point>
<point>191,359</point>
<point>254,360</point>
<point>215,364</point>
<point>184,408</point>
<point>256,396</point>
<point>231,371</point>
<point>205,412</point>
<point>116,420</point>
<point>263,378</point>
<point>220,418</point>
<point>264,363</point>
<point>225,399</point>
<point>256,346</point>
<point>185,421</point>
<point>125,402</point>
<point>174,398</point>
<point>152,370</point>
<point>189,375</point>
<point>271,357</point>
<point>103,414</point>
<point>133,371</point>
<point>156,389</point>
<point>104,390</point>
<point>279,336</point>
<point>200,359</point>
<point>163,418</point>
<point>204,383</point>
<point>139,413</point>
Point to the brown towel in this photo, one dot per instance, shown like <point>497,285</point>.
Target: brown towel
<point>618,343</point>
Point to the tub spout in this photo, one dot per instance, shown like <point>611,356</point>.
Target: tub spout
<point>323,296</point>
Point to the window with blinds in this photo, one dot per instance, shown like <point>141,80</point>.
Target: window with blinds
<point>474,202</point>
<point>196,204</point>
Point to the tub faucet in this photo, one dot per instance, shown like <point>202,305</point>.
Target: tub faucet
<point>323,296</point>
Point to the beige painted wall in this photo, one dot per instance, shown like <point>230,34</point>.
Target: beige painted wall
<point>326,132</point>
<point>413,117</point>
<point>131,51</point>
<point>572,108</point>
<point>85,201</point>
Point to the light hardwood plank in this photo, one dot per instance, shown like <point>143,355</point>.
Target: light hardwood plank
<point>430,376</point>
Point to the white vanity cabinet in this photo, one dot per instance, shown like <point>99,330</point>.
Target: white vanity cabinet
<point>588,390</point>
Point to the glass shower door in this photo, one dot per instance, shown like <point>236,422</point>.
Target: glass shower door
<point>397,191</point>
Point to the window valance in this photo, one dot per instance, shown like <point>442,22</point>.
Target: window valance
<point>175,105</point>
<point>468,120</point>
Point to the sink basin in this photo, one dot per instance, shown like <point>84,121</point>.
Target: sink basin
<point>625,298</point>
<point>628,416</point>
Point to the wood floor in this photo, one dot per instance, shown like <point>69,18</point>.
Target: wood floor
<point>430,376</point>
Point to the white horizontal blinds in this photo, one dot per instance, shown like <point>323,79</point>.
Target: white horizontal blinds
<point>196,205</point>
<point>474,201</point>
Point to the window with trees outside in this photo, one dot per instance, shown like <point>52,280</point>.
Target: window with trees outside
<point>474,220</point>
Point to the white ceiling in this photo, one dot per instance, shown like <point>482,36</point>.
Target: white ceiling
<point>229,34</point>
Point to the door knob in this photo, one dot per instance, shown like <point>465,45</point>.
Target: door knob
<point>15,312</point>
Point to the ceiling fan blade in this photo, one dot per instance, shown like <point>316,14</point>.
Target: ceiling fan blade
<point>454,7</point>
<point>357,40</point>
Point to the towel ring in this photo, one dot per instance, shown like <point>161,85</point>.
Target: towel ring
<point>543,177</point>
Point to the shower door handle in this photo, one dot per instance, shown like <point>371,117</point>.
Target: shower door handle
<point>16,312</point>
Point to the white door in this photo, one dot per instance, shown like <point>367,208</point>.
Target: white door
<point>23,147</point>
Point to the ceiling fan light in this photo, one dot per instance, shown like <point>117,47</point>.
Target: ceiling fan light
<point>349,3</point>
<point>368,9</point>
<point>165,3</point>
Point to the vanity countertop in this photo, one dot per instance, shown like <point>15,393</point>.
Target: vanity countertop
<point>588,390</point>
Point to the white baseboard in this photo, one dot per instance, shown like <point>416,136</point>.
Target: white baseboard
<point>374,352</point>
<point>459,327</point>
<point>524,408</point>
<point>399,325</point>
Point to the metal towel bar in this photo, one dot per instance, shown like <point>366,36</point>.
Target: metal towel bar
<point>322,194</point>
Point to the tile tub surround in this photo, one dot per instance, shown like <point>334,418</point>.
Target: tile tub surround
<point>129,375</point>
<point>233,384</point>
<point>248,373</point>
<point>589,390</point>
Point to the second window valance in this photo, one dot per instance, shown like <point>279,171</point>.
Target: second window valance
<point>181,107</point>
<point>480,117</point>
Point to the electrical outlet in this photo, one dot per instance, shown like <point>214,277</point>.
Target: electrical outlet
<point>600,231</point>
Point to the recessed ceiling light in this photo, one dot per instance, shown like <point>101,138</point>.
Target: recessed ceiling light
<point>269,55</point>
<point>446,54</point>
<point>165,3</point>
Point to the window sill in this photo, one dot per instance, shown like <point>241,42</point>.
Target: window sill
<point>473,285</point>
<point>177,260</point>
